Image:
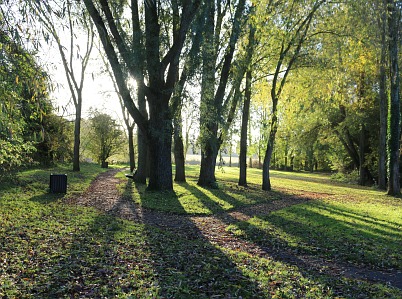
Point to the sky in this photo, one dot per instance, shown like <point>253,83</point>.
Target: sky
<point>98,90</point>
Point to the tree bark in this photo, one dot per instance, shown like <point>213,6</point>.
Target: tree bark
<point>266,181</point>
<point>160,145</point>
<point>382,150</point>
<point>365,176</point>
<point>180,174</point>
<point>208,164</point>
<point>131,151</point>
<point>161,71</point>
<point>142,164</point>
<point>208,111</point>
<point>244,130</point>
<point>77,139</point>
<point>211,102</point>
<point>394,106</point>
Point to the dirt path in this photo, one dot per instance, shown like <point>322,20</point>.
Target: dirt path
<point>103,195</point>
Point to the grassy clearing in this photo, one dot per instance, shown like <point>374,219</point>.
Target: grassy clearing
<point>349,223</point>
<point>191,199</point>
<point>49,249</point>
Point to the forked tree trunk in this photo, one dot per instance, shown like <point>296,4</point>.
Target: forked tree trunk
<point>211,103</point>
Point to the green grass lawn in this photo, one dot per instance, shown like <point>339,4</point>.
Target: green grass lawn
<point>49,249</point>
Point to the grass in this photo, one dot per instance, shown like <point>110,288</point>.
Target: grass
<point>49,249</point>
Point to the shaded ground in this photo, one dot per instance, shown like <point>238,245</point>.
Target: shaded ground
<point>103,195</point>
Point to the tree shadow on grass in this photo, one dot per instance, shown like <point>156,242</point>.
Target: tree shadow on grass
<point>108,257</point>
<point>193,268</point>
<point>303,231</point>
<point>91,263</point>
<point>312,235</point>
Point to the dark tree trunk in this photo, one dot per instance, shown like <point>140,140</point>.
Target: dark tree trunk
<point>77,138</point>
<point>382,151</point>
<point>286,162</point>
<point>266,181</point>
<point>394,106</point>
<point>347,139</point>
<point>161,75</point>
<point>160,144</point>
<point>208,111</point>
<point>212,103</point>
<point>179,155</point>
<point>365,176</point>
<point>382,171</point>
<point>244,130</point>
<point>131,151</point>
<point>142,173</point>
<point>207,171</point>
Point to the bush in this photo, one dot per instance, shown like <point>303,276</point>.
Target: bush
<point>349,178</point>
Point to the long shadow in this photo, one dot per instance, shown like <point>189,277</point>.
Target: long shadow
<point>315,234</point>
<point>194,268</point>
<point>364,218</point>
<point>328,241</point>
<point>102,259</point>
<point>88,264</point>
<point>320,181</point>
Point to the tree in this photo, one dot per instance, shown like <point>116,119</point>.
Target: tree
<point>145,52</point>
<point>292,28</point>
<point>213,102</point>
<point>106,136</point>
<point>382,149</point>
<point>180,94</point>
<point>57,142</point>
<point>394,117</point>
<point>24,94</point>
<point>126,116</point>
<point>246,111</point>
<point>52,17</point>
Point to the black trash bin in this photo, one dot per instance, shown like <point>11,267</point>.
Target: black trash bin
<point>58,183</point>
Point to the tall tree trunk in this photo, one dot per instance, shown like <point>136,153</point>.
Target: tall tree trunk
<point>382,150</point>
<point>365,176</point>
<point>160,144</point>
<point>394,106</point>
<point>142,173</point>
<point>266,181</point>
<point>180,174</point>
<point>244,130</point>
<point>208,164</point>
<point>131,150</point>
<point>211,102</point>
<point>208,111</point>
<point>77,139</point>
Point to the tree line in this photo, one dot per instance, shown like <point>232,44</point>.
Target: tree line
<point>308,84</point>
